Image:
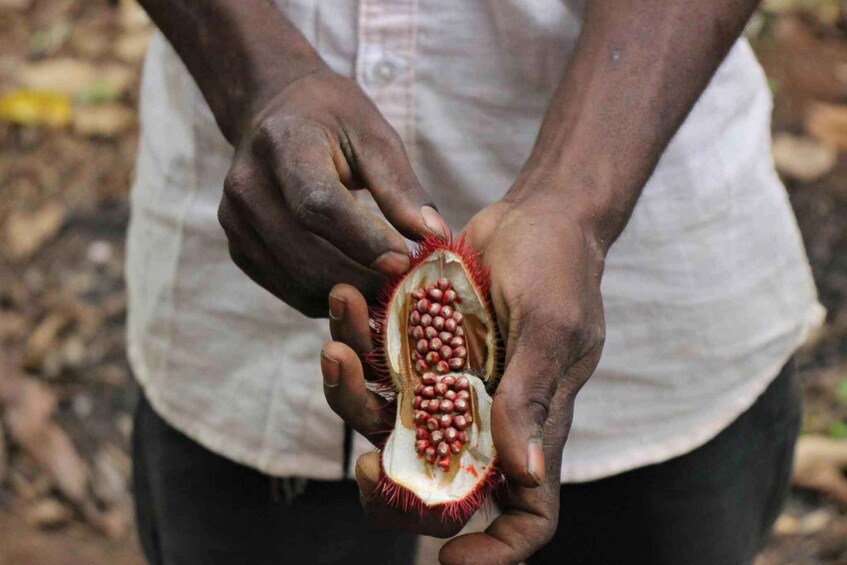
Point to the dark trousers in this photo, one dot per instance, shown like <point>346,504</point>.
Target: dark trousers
<point>713,506</point>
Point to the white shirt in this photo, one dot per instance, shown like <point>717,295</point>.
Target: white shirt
<point>707,292</point>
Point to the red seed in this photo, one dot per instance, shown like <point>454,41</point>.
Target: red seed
<point>436,437</point>
<point>446,420</point>
<point>442,449</point>
<point>457,342</point>
<point>421,445</point>
<point>418,332</point>
<point>436,294</point>
<point>450,297</point>
<point>456,363</point>
<point>463,394</point>
<point>419,389</point>
<point>460,422</point>
<point>430,332</point>
<point>440,389</point>
<point>421,366</point>
<point>457,316</point>
<point>442,367</point>
<point>410,330</point>
<point>429,453</point>
<point>450,325</point>
<point>432,357</point>
<point>460,405</point>
<point>450,394</point>
<point>432,408</point>
<point>469,419</point>
<point>443,284</point>
<point>429,378</point>
<point>432,424</point>
<point>449,380</point>
<point>460,352</point>
<point>418,293</point>
<point>446,406</point>
<point>425,404</point>
<point>435,344</point>
<point>415,318</point>
<point>416,404</point>
<point>446,311</point>
<point>444,463</point>
<point>456,446</point>
<point>444,351</point>
<point>450,435</point>
<point>422,433</point>
<point>422,346</point>
<point>462,383</point>
<point>438,323</point>
<point>416,355</point>
<point>426,320</point>
<point>428,392</point>
<point>421,418</point>
<point>459,331</point>
<point>434,309</point>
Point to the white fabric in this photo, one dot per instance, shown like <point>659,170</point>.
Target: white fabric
<point>707,292</point>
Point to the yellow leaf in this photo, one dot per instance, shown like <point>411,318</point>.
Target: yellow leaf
<point>31,108</point>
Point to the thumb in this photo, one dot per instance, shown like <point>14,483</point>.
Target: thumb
<point>520,409</point>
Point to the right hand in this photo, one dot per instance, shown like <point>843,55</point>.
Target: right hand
<point>293,225</point>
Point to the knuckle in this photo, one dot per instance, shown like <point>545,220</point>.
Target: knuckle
<point>239,177</point>
<point>314,206</point>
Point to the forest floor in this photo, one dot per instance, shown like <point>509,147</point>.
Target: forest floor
<point>66,394</point>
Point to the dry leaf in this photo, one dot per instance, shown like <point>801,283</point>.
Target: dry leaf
<point>828,124</point>
<point>44,339</point>
<point>802,158</point>
<point>48,513</point>
<point>33,108</point>
<point>25,232</point>
<point>819,464</point>
<point>107,120</point>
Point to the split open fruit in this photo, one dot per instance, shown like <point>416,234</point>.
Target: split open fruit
<point>437,345</point>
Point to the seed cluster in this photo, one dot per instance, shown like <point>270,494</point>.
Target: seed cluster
<point>442,401</point>
<point>442,417</point>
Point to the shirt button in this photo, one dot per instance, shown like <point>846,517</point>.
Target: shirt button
<point>384,71</point>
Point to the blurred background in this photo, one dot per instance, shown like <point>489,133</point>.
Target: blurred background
<point>69,73</point>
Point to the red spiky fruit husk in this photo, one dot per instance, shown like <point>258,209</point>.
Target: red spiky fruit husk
<point>437,355</point>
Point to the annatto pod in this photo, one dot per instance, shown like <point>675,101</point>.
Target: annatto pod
<point>437,347</point>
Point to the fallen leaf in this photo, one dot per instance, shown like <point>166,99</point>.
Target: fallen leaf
<point>34,108</point>
<point>107,120</point>
<point>802,158</point>
<point>48,513</point>
<point>819,464</point>
<point>25,232</point>
<point>44,339</point>
<point>828,124</point>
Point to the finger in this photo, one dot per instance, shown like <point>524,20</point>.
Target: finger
<point>304,256</point>
<point>305,172</point>
<point>520,407</point>
<point>384,167</point>
<point>348,318</point>
<point>347,395</point>
<point>430,523</point>
<point>251,255</point>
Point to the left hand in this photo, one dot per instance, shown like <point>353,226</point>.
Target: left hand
<point>545,287</point>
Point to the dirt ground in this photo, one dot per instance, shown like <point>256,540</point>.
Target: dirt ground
<point>68,89</point>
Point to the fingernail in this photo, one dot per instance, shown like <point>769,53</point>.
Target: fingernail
<point>535,461</point>
<point>331,371</point>
<point>434,221</point>
<point>391,263</point>
<point>337,307</point>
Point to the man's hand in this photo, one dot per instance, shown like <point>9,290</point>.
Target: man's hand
<point>293,225</point>
<point>304,138</point>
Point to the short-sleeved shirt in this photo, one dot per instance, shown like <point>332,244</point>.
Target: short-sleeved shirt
<point>707,292</point>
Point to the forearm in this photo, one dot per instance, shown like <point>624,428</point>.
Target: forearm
<point>240,52</point>
<point>638,68</point>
